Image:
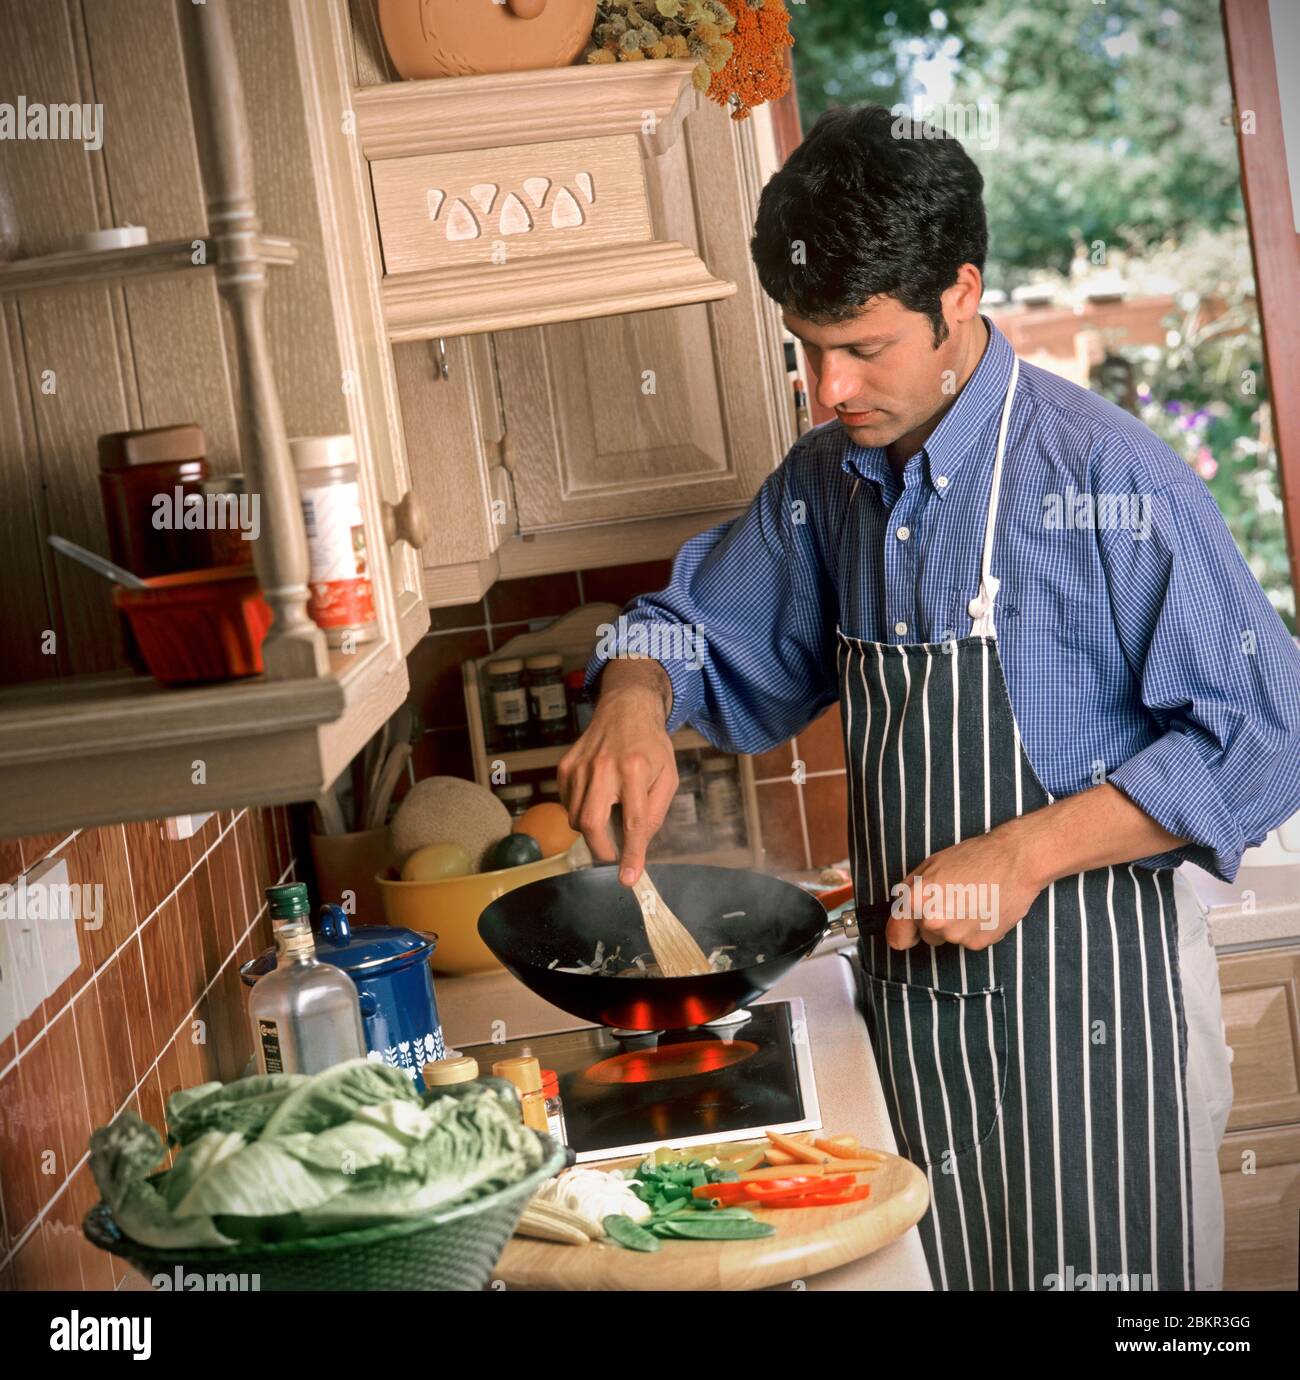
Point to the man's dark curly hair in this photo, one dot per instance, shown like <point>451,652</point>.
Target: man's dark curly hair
<point>883,206</point>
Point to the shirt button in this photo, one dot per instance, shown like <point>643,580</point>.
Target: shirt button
<point>900,628</point>
<point>903,533</point>
<point>942,481</point>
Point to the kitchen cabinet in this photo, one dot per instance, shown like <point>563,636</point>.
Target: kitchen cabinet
<point>1259,1159</point>
<point>269,325</point>
<point>604,397</point>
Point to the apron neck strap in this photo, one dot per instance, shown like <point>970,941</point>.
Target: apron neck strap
<point>981,607</point>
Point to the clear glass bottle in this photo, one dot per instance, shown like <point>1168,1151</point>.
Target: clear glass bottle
<point>305,1014</point>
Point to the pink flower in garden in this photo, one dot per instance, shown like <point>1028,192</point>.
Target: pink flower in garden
<point>1205,464</point>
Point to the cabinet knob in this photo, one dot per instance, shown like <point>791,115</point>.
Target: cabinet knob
<point>404,521</point>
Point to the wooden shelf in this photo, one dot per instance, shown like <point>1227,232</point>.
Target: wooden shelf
<point>98,749</point>
<point>574,286</point>
<point>454,114</point>
<point>138,260</point>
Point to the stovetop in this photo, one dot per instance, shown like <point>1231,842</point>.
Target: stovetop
<point>625,1093</point>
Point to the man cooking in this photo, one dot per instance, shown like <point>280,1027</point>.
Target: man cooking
<point>1058,681</point>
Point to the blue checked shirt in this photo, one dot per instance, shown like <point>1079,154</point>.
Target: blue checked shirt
<point>1137,645</point>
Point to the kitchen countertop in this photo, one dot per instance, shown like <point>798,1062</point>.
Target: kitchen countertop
<point>494,1006</point>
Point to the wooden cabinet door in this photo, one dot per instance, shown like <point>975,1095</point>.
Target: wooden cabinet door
<point>663,412</point>
<point>1260,1173</point>
<point>1262,1016</point>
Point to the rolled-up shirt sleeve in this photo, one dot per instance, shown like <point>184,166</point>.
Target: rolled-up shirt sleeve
<point>1219,674</point>
<point>745,627</point>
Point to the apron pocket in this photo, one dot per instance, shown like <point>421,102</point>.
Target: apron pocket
<point>943,1065</point>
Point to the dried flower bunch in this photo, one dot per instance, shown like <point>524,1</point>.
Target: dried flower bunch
<point>737,44</point>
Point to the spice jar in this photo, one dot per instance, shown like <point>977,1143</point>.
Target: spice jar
<point>146,479</point>
<point>342,597</point>
<point>549,710</point>
<point>526,1074</point>
<point>682,823</point>
<point>226,506</point>
<point>580,707</point>
<point>554,1107</point>
<point>516,797</point>
<point>723,807</point>
<point>509,701</point>
<point>446,1073</point>
<point>548,792</point>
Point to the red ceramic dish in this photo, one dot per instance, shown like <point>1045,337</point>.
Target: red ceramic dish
<point>199,624</point>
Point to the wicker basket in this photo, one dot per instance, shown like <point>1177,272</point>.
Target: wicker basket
<point>453,1249</point>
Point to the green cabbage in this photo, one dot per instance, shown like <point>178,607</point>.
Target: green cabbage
<point>279,1157</point>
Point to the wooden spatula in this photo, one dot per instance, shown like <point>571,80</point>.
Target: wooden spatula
<point>676,953</point>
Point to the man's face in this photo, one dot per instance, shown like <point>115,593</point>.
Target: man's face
<point>881,371</point>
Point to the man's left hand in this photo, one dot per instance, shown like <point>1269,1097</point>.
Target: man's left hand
<point>970,894</point>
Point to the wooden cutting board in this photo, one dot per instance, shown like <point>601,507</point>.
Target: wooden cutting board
<point>807,1241</point>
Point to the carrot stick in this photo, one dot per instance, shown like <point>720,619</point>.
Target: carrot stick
<point>797,1149</point>
<point>852,1151</point>
<point>784,1172</point>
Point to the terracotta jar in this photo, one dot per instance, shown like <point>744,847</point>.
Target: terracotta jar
<point>456,38</point>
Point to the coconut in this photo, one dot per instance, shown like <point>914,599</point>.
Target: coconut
<point>448,809</point>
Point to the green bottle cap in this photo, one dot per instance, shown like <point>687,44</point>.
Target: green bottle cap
<point>288,901</point>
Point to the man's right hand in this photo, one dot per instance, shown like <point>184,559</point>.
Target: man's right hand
<point>624,757</point>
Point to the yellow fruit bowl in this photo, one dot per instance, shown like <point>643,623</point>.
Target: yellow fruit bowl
<point>450,908</point>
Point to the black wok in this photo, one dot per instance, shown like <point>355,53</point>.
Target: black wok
<point>560,919</point>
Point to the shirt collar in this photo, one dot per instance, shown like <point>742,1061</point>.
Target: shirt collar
<point>961,427</point>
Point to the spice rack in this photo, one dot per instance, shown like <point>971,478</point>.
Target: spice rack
<point>573,637</point>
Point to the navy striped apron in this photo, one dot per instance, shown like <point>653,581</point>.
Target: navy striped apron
<point>1039,1083</point>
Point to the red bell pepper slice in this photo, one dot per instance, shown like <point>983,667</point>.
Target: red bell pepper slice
<point>769,1190</point>
<point>802,1200</point>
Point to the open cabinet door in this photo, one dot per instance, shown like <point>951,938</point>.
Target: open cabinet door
<point>1262,37</point>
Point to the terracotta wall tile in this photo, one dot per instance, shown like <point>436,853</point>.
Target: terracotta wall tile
<point>165,969</point>
<point>32,1264</point>
<point>169,1074</point>
<point>96,1265</point>
<point>18,1171</point>
<point>212,933</point>
<point>151,866</point>
<point>246,869</point>
<point>40,1111</point>
<point>620,584</point>
<point>37,846</point>
<point>137,1011</point>
<point>826,805</point>
<point>11,860</point>
<point>778,811</point>
<point>458,616</point>
<point>821,744</point>
<point>437,692</point>
<point>102,1081</point>
<point>68,1090</point>
<point>103,859</point>
<point>444,752</point>
<point>151,1103</point>
<point>543,596</point>
<point>775,764</point>
<point>86,961</point>
<point>115,1021</point>
<point>63,1253</point>
<point>227,892</point>
<point>190,944</point>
